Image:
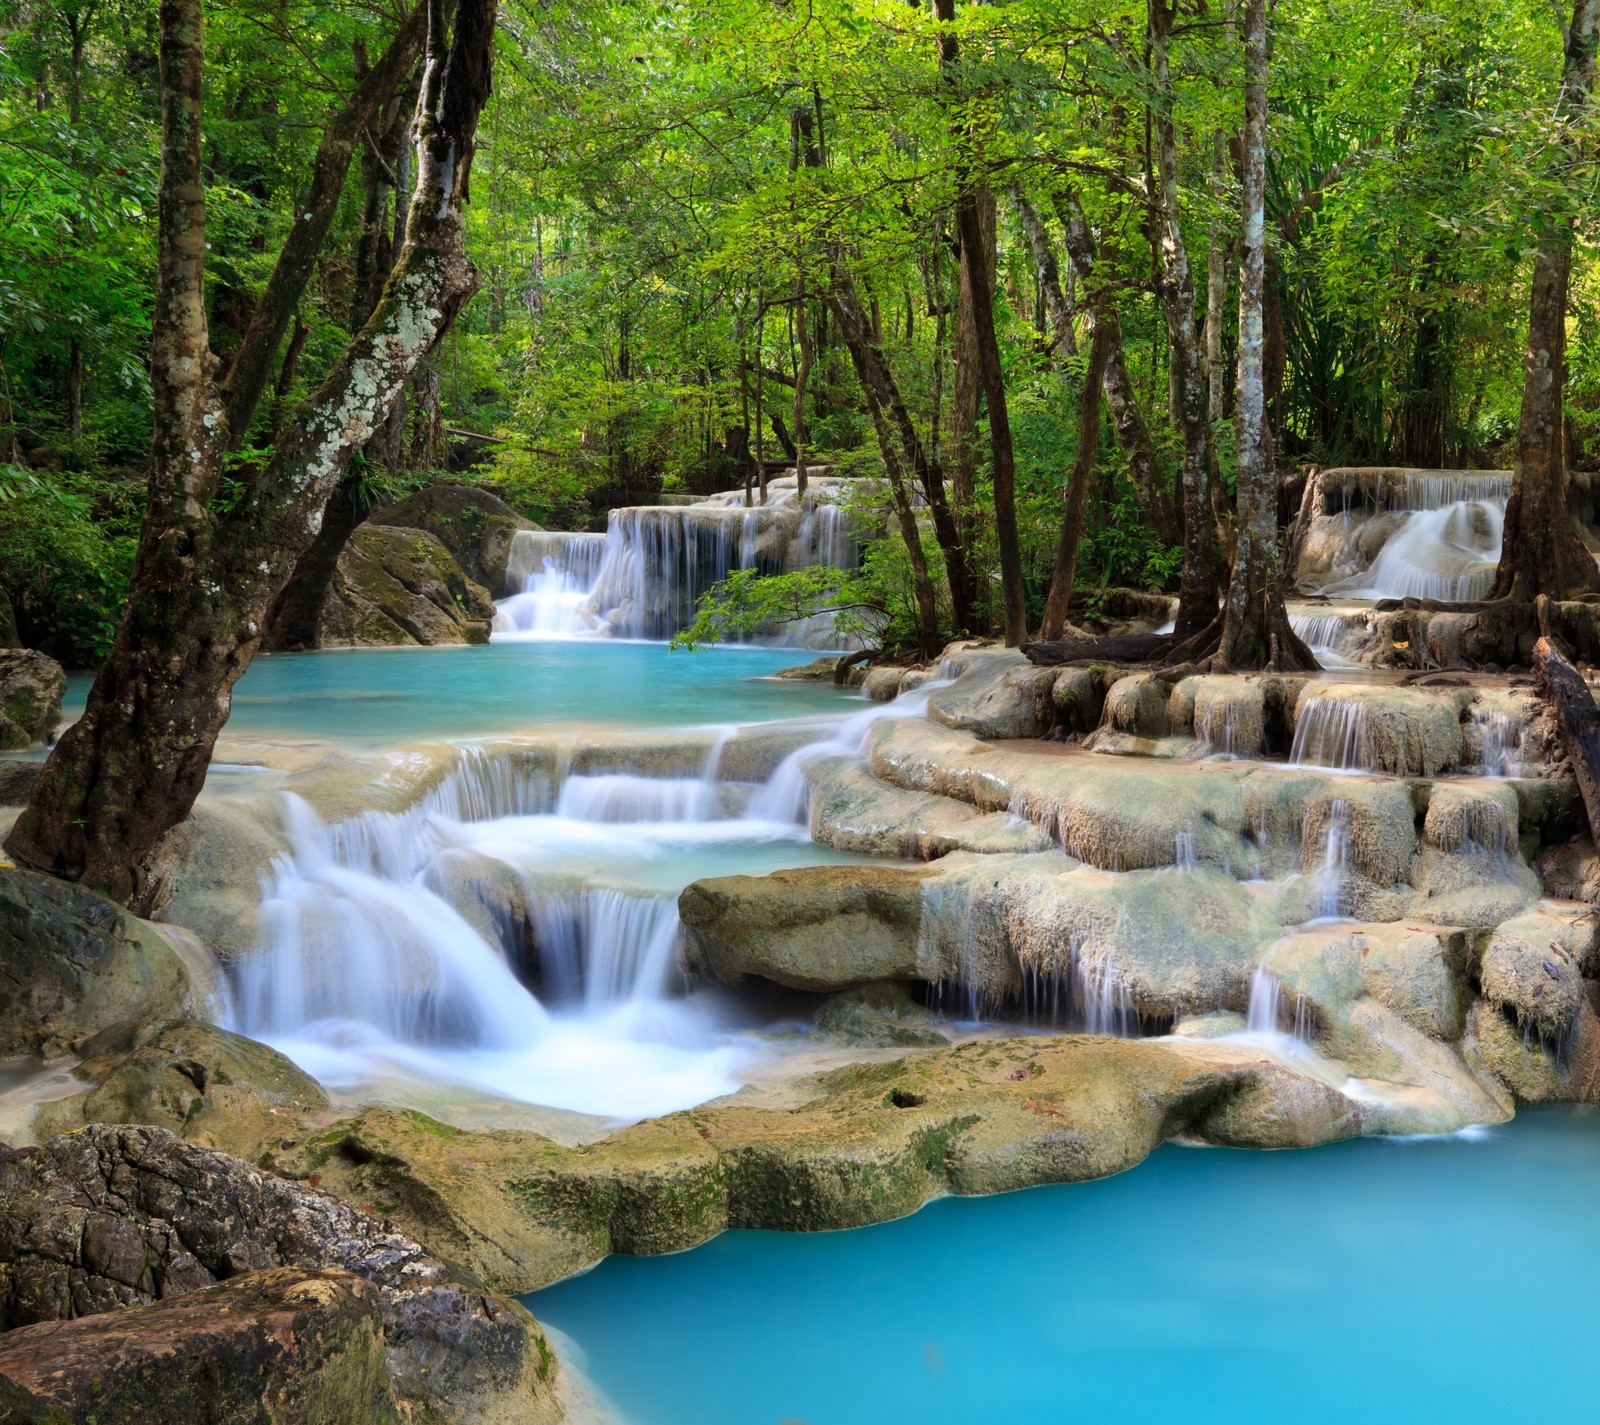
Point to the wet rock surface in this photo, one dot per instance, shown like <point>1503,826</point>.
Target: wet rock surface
<point>122,1216</point>
<point>73,964</point>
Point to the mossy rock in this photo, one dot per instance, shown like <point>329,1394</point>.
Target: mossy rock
<point>474,524</point>
<point>396,586</point>
<point>31,688</point>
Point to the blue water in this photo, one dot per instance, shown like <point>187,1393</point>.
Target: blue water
<point>1421,1281</point>
<point>386,695</point>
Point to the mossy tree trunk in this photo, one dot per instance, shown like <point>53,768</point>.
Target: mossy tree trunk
<point>206,571</point>
<point>1542,552</point>
<point>1255,629</point>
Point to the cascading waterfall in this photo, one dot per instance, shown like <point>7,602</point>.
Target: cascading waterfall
<point>1325,635</point>
<point>786,797</point>
<point>644,576</point>
<point>1502,746</point>
<point>1332,733</point>
<point>1088,996</point>
<point>1448,544</point>
<point>391,945</point>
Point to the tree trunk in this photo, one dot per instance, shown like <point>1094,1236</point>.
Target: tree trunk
<point>802,377</point>
<point>973,204</point>
<point>1066,566</point>
<point>253,358</point>
<point>1577,722</point>
<point>1057,312</point>
<point>1255,630</point>
<point>295,620</point>
<point>1542,553</point>
<point>1197,607</point>
<point>967,390</point>
<point>1156,507</point>
<point>890,422</point>
<point>131,767</point>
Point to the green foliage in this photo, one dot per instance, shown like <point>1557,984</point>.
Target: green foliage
<point>63,564</point>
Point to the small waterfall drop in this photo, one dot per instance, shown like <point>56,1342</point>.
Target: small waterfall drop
<point>556,575</point>
<point>1332,733</point>
<point>1331,901</point>
<point>1269,1014</point>
<point>1502,746</point>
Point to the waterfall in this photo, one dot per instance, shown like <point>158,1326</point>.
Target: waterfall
<point>786,797</point>
<point>1183,851</point>
<point>1331,901</point>
<point>555,576</point>
<point>1334,733</point>
<point>1447,544</point>
<point>1089,997</point>
<point>1448,554</point>
<point>1325,634</point>
<point>643,577</point>
<point>1268,1011</point>
<point>463,942</point>
<point>1502,746</point>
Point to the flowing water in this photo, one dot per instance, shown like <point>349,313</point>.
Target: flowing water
<point>644,576</point>
<point>1364,1281</point>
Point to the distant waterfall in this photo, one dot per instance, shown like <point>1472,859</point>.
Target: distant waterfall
<point>644,576</point>
<point>1448,541</point>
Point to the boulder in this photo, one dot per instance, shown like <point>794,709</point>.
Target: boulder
<point>1534,1071</point>
<point>115,1216</point>
<point>1533,966</point>
<point>822,928</point>
<point>998,694</point>
<point>73,963</point>
<point>204,1084</point>
<point>31,687</point>
<point>398,587</point>
<point>882,685</point>
<point>475,525</point>
<point>281,1347</point>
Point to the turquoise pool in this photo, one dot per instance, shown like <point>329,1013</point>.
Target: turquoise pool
<point>1421,1281</point>
<point>389,695</point>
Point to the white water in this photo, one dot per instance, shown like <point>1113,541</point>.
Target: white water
<point>1332,901</point>
<point>1332,733</point>
<point>1324,634</point>
<point>644,576</point>
<point>1448,546</point>
<point>1269,1013</point>
<point>391,944</point>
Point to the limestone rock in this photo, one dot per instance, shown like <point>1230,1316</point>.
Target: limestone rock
<point>31,686</point>
<point>204,1084</point>
<point>475,525</point>
<point>111,1217</point>
<point>822,928</point>
<point>1533,967</point>
<point>878,1016</point>
<point>819,670</point>
<point>882,685</point>
<point>402,586</point>
<point>281,1347</point>
<point>999,694</point>
<point>73,963</point>
<point>1537,1072</point>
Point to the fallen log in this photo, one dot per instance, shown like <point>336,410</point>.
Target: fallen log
<point>1577,721</point>
<point>1128,648</point>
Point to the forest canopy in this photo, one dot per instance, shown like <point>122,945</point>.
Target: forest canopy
<point>668,201</point>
